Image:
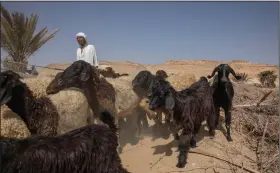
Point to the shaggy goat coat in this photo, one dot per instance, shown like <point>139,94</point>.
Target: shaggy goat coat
<point>193,105</point>
<point>141,84</point>
<point>40,115</point>
<point>189,109</point>
<point>45,115</point>
<point>111,94</point>
<point>89,149</point>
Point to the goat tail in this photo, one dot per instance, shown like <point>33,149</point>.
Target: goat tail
<point>109,119</point>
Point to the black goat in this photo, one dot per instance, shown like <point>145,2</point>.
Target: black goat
<point>98,91</point>
<point>143,80</point>
<point>39,114</point>
<point>141,83</point>
<point>189,108</point>
<point>90,149</point>
<point>162,74</point>
<point>82,75</point>
<point>223,94</point>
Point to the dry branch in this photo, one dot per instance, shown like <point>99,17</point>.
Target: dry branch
<point>197,151</point>
<point>194,169</point>
<point>263,98</point>
<point>262,144</point>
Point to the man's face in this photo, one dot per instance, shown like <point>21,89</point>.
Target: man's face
<point>81,40</point>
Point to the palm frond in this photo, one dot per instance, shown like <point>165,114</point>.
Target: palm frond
<point>18,37</point>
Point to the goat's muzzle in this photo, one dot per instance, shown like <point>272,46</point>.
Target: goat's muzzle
<point>224,79</point>
<point>134,85</point>
<point>49,91</point>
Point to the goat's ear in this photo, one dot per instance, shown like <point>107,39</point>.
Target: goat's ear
<point>169,102</point>
<point>96,75</point>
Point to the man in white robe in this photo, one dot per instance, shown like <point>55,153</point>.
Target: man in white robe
<point>86,52</point>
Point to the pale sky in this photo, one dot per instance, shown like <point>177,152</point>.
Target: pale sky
<point>154,32</point>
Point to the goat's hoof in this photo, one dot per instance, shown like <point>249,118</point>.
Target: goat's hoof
<point>180,165</point>
<point>229,139</point>
<point>193,144</point>
<point>212,135</point>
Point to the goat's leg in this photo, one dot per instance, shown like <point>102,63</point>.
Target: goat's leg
<point>184,142</point>
<point>174,128</point>
<point>211,124</point>
<point>120,145</point>
<point>139,124</point>
<point>145,121</point>
<point>158,118</point>
<point>175,134</point>
<point>217,111</point>
<point>228,123</point>
<point>143,117</point>
<point>196,130</point>
<point>167,117</point>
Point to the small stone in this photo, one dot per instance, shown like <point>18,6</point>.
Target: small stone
<point>193,164</point>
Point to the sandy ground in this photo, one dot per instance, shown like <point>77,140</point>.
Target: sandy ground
<point>159,155</point>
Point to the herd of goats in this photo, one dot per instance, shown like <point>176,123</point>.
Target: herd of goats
<point>94,148</point>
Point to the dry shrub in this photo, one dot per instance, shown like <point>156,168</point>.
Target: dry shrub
<point>253,119</point>
<point>244,78</point>
<point>267,78</point>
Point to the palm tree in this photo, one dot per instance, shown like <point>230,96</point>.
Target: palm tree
<point>19,40</point>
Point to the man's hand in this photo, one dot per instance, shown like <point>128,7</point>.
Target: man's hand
<point>238,77</point>
<point>209,76</point>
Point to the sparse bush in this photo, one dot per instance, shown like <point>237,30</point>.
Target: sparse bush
<point>267,78</point>
<point>244,77</point>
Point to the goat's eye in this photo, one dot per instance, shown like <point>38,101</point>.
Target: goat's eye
<point>60,81</point>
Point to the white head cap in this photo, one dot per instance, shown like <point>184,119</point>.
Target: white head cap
<point>81,34</point>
